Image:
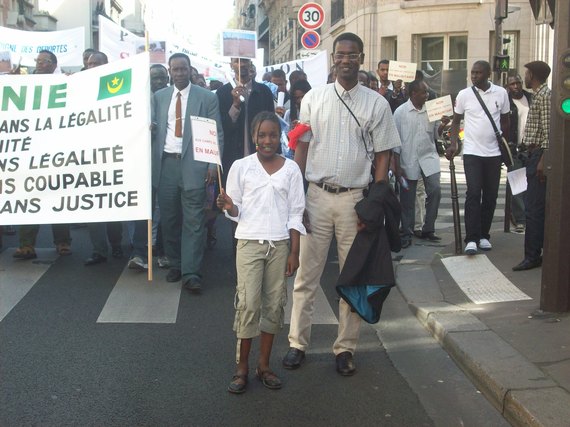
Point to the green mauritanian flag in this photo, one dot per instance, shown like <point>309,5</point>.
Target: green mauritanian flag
<point>114,84</point>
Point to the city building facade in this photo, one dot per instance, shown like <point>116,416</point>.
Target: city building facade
<point>444,37</point>
<point>52,15</point>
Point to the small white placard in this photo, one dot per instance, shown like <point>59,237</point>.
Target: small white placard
<point>280,99</point>
<point>205,140</point>
<point>405,71</point>
<point>517,181</point>
<point>436,108</point>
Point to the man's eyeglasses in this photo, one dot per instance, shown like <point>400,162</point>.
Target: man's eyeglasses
<point>43,61</point>
<point>349,56</point>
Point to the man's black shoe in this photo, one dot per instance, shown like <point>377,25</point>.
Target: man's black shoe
<point>344,364</point>
<point>174,275</point>
<point>527,264</point>
<point>193,285</point>
<point>431,236</point>
<point>95,259</point>
<point>406,243</point>
<point>293,358</point>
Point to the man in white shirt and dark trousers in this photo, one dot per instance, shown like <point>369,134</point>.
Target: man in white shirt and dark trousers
<point>417,159</point>
<point>481,153</point>
<point>351,128</point>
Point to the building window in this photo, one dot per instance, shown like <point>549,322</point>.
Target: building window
<point>445,52</point>
<point>443,60</point>
<point>389,48</point>
<point>337,11</point>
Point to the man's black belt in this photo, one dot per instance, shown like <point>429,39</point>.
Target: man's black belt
<point>335,189</point>
<point>171,155</point>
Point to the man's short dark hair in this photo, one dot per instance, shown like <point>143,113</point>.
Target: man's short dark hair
<point>414,86</point>
<point>351,37</point>
<point>51,55</point>
<point>539,69</point>
<point>383,61</point>
<point>179,55</point>
<point>105,59</point>
<point>154,66</point>
<point>279,73</point>
<point>297,74</point>
<point>365,73</point>
<point>486,66</point>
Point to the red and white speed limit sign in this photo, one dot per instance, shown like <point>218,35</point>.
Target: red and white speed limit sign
<point>311,16</point>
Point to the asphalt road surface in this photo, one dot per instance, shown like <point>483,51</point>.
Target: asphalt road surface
<point>101,346</point>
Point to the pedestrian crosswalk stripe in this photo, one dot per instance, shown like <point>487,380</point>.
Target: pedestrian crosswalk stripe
<point>481,281</point>
<point>322,313</point>
<point>136,300</point>
<point>18,276</point>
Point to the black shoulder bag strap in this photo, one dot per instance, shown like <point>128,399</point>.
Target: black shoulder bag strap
<point>357,122</point>
<point>476,92</point>
<point>345,104</point>
<point>504,146</point>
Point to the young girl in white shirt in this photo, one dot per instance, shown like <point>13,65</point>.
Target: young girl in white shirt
<point>264,195</point>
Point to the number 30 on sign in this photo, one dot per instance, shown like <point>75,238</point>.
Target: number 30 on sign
<point>311,16</point>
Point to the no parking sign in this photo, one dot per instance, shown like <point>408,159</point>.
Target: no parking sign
<point>310,39</point>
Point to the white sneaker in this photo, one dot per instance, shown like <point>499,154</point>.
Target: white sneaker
<point>470,248</point>
<point>485,245</point>
<point>137,263</point>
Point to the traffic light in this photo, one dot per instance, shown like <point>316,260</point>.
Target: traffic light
<point>501,63</point>
<point>563,101</point>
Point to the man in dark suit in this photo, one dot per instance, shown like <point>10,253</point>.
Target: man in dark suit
<point>181,180</point>
<point>238,107</point>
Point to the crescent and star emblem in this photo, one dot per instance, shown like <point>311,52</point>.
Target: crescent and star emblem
<point>117,85</point>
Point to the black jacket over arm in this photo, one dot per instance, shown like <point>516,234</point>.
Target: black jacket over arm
<point>368,273</point>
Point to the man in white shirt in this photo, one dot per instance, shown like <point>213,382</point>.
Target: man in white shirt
<point>481,153</point>
<point>417,159</point>
<point>351,128</point>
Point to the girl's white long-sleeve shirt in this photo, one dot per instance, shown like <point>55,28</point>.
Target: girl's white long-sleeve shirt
<point>268,205</point>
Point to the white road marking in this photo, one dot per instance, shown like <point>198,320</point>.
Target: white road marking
<point>136,300</point>
<point>322,314</point>
<point>17,277</point>
<point>481,281</point>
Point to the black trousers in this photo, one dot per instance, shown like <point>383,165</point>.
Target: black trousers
<point>535,205</point>
<point>483,175</point>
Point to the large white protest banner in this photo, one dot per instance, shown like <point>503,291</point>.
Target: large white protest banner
<point>24,46</point>
<point>210,65</point>
<point>315,67</point>
<point>119,43</point>
<point>76,148</point>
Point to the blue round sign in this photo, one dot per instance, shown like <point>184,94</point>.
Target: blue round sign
<point>310,39</point>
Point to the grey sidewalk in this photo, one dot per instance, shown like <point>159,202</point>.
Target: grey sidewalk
<point>518,358</point>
